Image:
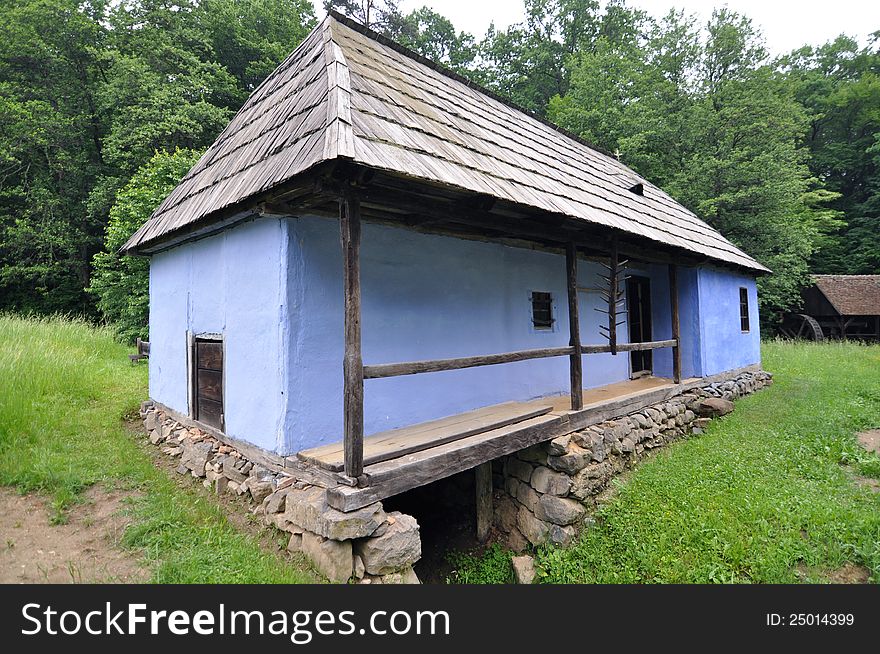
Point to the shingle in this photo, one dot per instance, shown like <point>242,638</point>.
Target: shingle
<point>851,295</point>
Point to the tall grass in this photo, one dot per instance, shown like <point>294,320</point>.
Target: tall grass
<point>65,389</point>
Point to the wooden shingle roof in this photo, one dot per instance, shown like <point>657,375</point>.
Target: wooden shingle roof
<point>349,93</point>
<point>851,295</point>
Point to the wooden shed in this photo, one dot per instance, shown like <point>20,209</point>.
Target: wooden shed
<point>383,274</point>
<point>841,306</point>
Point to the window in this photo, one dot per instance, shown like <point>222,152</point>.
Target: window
<point>207,381</point>
<point>744,309</point>
<point>542,310</point>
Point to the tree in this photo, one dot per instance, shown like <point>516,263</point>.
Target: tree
<point>89,90</point>
<point>839,86</point>
<point>720,131</point>
<point>164,87</point>
<point>121,283</point>
<point>383,16</point>
<point>526,62</point>
<point>863,230</point>
<point>434,36</point>
<point>50,152</point>
<point>249,38</point>
<point>423,30</point>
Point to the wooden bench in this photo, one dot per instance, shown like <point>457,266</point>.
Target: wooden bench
<point>143,351</point>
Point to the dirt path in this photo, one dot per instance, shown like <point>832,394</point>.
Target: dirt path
<point>85,550</point>
<point>848,573</point>
<point>870,440</point>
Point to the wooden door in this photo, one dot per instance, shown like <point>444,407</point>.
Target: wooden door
<point>638,305</point>
<point>208,382</point>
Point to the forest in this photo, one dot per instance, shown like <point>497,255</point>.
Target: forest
<point>105,104</point>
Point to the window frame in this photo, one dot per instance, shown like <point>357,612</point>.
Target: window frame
<point>550,324</point>
<point>745,324</point>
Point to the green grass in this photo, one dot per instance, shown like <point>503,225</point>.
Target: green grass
<point>65,389</point>
<point>492,567</point>
<point>764,491</point>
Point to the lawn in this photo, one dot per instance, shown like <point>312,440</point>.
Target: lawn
<point>68,397</point>
<point>766,495</point>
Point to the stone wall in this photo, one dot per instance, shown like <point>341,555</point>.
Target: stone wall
<point>369,545</point>
<point>546,493</point>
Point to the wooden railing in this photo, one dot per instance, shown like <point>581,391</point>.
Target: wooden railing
<point>383,370</point>
<point>436,365</point>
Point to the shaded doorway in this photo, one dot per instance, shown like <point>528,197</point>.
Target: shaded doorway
<point>207,381</point>
<point>638,305</point>
<point>446,515</point>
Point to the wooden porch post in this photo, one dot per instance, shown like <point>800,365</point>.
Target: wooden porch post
<point>575,361</point>
<point>676,327</point>
<point>352,365</point>
<point>483,478</point>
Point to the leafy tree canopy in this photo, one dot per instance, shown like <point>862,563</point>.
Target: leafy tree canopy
<point>89,90</point>
<point>121,283</point>
<point>782,155</point>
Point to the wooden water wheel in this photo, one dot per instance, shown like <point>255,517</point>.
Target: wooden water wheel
<point>802,326</point>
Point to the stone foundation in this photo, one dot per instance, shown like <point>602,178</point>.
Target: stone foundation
<point>367,545</point>
<point>546,492</point>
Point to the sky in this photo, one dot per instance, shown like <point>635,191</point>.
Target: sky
<point>786,24</point>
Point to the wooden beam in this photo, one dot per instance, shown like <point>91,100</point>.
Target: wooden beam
<point>575,362</point>
<point>483,479</point>
<point>388,197</point>
<point>627,347</point>
<point>648,345</point>
<point>676,327</point>
<point>352,365</point>
<point>395,443</point>
<point>381,370</point>
<point>400,475</point>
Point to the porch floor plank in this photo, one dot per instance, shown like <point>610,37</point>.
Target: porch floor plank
<point>395,443</point>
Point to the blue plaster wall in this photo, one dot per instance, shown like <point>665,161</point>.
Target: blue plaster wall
<point>233,283</point>
<point>723,345</point>
<point>273,287</point>
<point>689,322</point>
<point>427,297</point>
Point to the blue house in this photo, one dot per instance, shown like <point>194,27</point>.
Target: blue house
<point>378,256</point>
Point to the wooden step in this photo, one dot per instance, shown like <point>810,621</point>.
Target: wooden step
<point>395,443</point>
